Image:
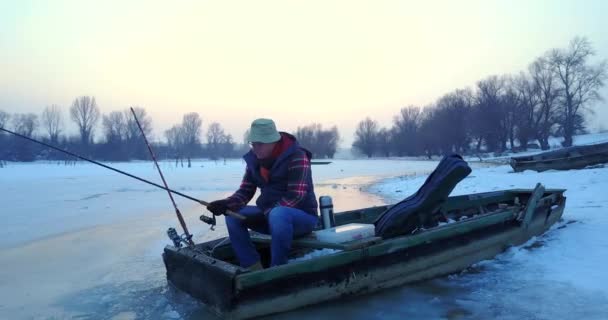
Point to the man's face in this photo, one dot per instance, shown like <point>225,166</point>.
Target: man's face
<point>262,150</point>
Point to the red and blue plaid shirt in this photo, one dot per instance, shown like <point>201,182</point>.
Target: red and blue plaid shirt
<point>298,172</point>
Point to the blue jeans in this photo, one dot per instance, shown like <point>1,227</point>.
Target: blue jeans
<point>283,224</point>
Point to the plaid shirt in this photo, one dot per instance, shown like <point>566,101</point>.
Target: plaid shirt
<point>298,171</point>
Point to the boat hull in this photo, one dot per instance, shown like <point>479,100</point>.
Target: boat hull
<point>564,159</point>
<point>232,293</point>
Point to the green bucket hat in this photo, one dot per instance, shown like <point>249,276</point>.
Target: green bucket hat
<point>263,130</point>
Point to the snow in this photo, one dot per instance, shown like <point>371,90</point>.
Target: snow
<point>84,242</point>
<point>583,139</point>
<point>314,254</point>
<point>48,198</point>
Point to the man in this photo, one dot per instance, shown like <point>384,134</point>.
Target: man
<point>286,207</point>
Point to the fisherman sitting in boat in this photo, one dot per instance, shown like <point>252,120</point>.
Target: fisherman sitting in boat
<point>286,207</point>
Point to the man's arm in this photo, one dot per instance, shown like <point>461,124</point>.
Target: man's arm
<point>298,171</point>
<point>244,194</point>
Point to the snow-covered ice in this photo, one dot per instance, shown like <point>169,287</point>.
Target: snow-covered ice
<point>84,242</point>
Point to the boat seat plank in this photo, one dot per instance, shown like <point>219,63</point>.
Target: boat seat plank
<point>310,241</point>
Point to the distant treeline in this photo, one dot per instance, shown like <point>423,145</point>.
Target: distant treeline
<point>121,138</point>
<point>500,113</point>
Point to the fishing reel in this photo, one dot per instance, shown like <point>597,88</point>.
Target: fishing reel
<point>209,220</point>
<point>177,239</point>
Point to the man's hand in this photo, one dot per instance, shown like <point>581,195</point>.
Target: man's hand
<point>218,207</point>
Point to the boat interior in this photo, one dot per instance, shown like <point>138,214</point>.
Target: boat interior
<point>471,211</point>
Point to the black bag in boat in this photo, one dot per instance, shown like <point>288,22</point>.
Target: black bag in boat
<point>417,210</point>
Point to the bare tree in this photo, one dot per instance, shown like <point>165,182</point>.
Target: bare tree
<point>489,121</point>
<point>405,129</point>
<point>114,127</point>
<point>24,124</point>
<point>175,140</point>
<point>227,146</point>
<point>580,82</point>
<point>434,131</point>
<point>545,86</point>
<point>384,141</point>
<point>528,102</point>
<point>145,121</point>
<point>452,121</point>
<point>85,113</point>
<point>365,137</point>
<point>328,141</point>
<point>430,141</point>
<point>191,126</point>
<point>4,117</point>
<point>215,139</point>
<point>325,141</point>
<point>52,121</point>
<point>134,140</point>
<point>322,143</point>
<point>510,105</point>
<point>306,136</point>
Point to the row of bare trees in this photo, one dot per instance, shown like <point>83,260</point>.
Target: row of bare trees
<point>552,98</point>
<point>84,112</point>
<point>184,140</point>
<point>12,148</point>
<point>120,138</point>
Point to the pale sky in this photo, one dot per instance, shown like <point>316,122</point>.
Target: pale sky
<point>298,62</point>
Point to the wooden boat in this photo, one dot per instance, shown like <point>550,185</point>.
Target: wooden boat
<point>576,157</point>
<point>484,225</point>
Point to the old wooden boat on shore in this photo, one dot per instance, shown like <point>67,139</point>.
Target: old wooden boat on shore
<point>576,157</point>
<point>467,229</point>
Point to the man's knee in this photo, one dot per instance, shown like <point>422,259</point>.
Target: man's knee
<point>277,215</point>
<point>232,222</point>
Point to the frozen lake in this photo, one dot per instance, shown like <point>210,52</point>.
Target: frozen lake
<point>83,242</point>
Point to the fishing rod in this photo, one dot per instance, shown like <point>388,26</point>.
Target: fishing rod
<point>187,234</point>
<point>202,202</point>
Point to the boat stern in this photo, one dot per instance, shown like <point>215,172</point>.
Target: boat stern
<point>208,279</point>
